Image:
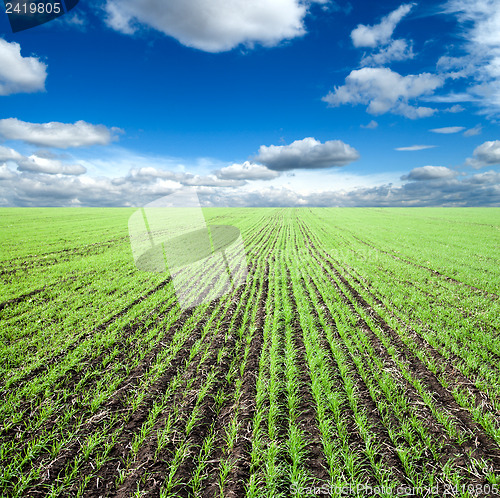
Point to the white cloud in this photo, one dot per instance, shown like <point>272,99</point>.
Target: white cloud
<point>486,154</point>
<point>39,164</point>
<point>54,134</point>
<point>448,130</point>
<point>307,153</point>
<point>378,38</point>
<point>454,109</point>
<point>484,18</point>
<point>146,174</point>
<point>7,154</point>
<point>481,30</point>
<point>77,21</point>
<point>20,74</point>
<point>397,50</point>
<point>150,175</point>
<point>450,99</point>
<point>372,36</point>
<point>488,177</point>
<point>385,91</point>
<point>449,190</point>
<point>6,173</point>
<point>213,25</point>
<point>428,186</point>
<point>371,125</point>
<point>415,147</point>
<point>211,181</point>
<point>429,173</point>
<point>41,181</point>
<point>246,171</point>
<point>472,132</point>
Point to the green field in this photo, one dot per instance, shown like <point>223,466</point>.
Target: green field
<point>362,355</point>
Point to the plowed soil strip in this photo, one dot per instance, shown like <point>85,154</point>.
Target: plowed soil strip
<point>389,456</point>
<point>430,377</point>
<point>226,341</point>
<point>161,468</point>
<point>459,360</point>
<point>115,403</point>
<point>100,328</point>
<point>40,260</point>
<point>187,402</point>
<point>74,376</point>
<point>487,449</point>
<point>434,272</point>
<point>239,474</point>
<point>23,297</point>
<point>240,409</point>
<point>448,365</point>
<point>308,419</point>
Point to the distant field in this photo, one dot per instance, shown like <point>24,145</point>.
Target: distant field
<point>362,355</point>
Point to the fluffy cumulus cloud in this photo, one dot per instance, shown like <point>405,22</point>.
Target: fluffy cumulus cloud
<point>429,189</point>
<point>307,153</point>
<point>487,154</point>
<point>49,166</point>
<point>378,39</point>
<point>39,163</point>
<point>150,175</point>
<point>54,134</point>
<point>372,36</point>
<point>426,186</point>
<point>47,181</point>
<point>454,109</point>
<point>448,130</point>
<point>429,173</point>
<point>397,50</point>
<point>246,171</point>
<point>384,90</point>
<point>8,154</point>
<point>20,74</point>
<point>213,25</point>
<point>481,64</point>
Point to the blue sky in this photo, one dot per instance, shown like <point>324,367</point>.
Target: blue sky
<point>290,102</point>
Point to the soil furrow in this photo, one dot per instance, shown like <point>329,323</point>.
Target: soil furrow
<point>307,420</point>
<point>100,328</point>
<point>158,470</point>
<point>389,455</point>
<point>454,376</point>
<point>484,446</point>
<point>434,272</point>
<point>239,474</point>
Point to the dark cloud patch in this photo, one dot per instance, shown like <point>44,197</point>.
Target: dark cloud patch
<point>39,164</point>
<point>308,153</point>
<point>487,154</point>
<point>477,190</point>
<point>429,173</point>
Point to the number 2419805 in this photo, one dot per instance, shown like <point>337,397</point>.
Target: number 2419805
<point>33,8</point>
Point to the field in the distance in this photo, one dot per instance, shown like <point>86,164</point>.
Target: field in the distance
<point>362,355</point>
